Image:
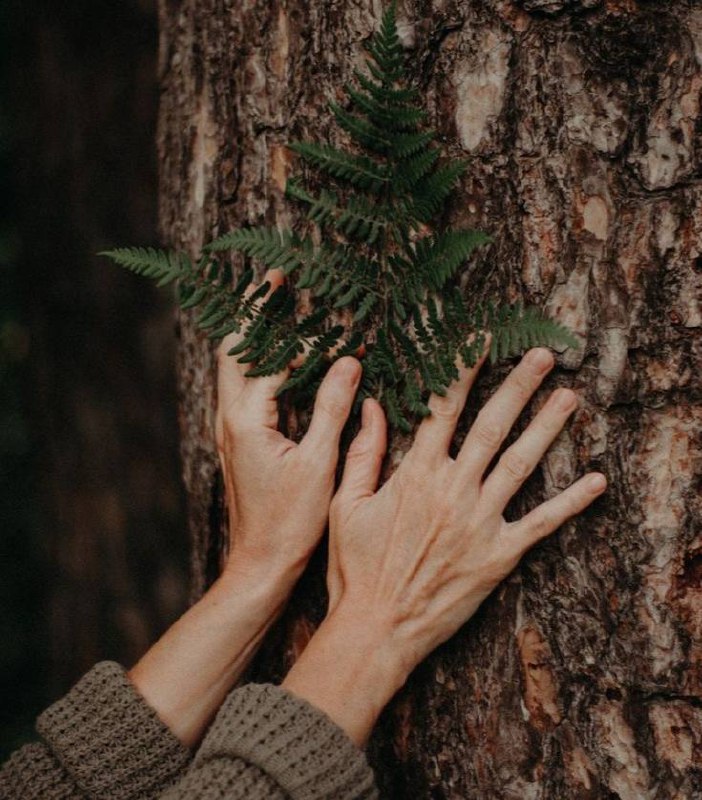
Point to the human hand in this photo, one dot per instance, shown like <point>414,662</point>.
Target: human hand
<point>278,497</point>
<point>277,491</point>
<point>410,563</point>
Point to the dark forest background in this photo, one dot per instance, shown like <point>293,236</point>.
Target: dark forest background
<point>92,534</point>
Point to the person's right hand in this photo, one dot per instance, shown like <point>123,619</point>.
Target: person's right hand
<point>410,563</point>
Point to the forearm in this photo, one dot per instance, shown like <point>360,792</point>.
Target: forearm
<point>187,674</point>
<point>349,672</point>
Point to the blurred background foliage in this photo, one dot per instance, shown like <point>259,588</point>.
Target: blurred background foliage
<point>93,552</point>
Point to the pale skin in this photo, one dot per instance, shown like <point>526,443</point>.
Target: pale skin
<point>278,495</point>
<point>439,543</point>
<point>411,562</point>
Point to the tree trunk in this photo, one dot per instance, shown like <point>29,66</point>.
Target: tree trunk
<point>581,677</point>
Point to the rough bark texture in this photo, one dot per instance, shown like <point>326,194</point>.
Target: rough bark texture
<point>582,675</point>
<point>100,342</point>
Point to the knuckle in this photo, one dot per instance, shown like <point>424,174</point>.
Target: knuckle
<point>411,479</point>
<point>317,463</point>
<point>493,571</point>
<point>332,405</point>
<point>515,465</point>
<point>488,432</point>
<point>445,509</point>
<point>358,450</point>
<point>308,457</point>
<point>496,569</point>
<point>522,384</point>
<point>572,507</point>
<point>544,525</point>
<point>446,408</point>
<point>550,423</point>
<point>406,480</point>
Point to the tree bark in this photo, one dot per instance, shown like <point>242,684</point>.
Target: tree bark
<point>581,677</point>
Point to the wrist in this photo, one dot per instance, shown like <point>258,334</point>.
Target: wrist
<point>367,637</point>
<point>273,555</point>
<point>265,577</point>
<point>349,671</point>
<point>187,674</point>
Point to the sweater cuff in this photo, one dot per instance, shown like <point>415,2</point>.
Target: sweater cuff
<point>306,753</point>
<point>33,772</point>
<point>110,740</point>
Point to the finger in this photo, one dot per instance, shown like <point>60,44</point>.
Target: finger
<point>500,412</point>
<point>332,407</point>
<point>435,432</point>
<point>365,456</point>
<point>549,516</point>
<point>520,460</point>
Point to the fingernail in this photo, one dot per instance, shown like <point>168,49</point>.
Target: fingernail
<point>540,358</point>
<point>597,482</point>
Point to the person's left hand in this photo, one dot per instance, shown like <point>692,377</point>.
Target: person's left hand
<point>278,492</point>
<point>278,496</point>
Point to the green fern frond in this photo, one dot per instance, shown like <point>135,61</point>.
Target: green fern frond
<point>274,248</point>
<point>360,219</point>
<point>515,329</point>
<point>159,265</point>
<point>386,93</point>
<point>412,171</point>
<point>378,271</point>
<point>439,257</point>
<point>431,193</point>
<point>362,131</point>
<point>386,115</point>
<point>405,145</point>
<point>357,171</point>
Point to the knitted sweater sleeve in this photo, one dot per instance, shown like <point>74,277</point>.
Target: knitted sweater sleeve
<point>101,740</point>
<point>266,744</point>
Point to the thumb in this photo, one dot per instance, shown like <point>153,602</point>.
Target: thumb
<point>237,394</point>
<point>365,456</point>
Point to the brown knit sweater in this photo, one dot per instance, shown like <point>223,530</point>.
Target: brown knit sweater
<point>103,741</point>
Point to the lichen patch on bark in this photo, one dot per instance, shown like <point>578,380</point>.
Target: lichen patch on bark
<point>480,90</point>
